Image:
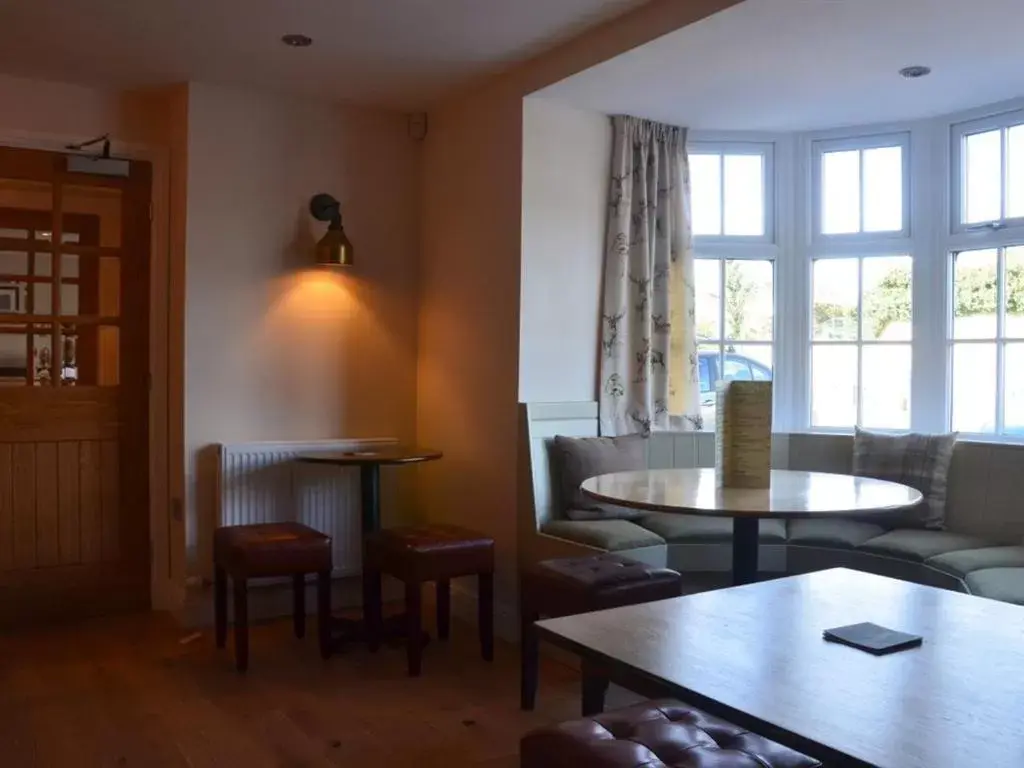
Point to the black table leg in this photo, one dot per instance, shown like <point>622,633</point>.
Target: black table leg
<point>369,492</point>
<point>745,535</point>
<point>391,628</point>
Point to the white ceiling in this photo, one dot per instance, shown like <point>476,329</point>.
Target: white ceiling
<point>779,65</point>
<point>400,53</point>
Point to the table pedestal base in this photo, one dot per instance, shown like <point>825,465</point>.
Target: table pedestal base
<point>745,539</point>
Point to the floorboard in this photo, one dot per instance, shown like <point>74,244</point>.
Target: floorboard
<point>127,692</point>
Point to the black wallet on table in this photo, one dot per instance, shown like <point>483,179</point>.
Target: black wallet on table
<point>873,638</point>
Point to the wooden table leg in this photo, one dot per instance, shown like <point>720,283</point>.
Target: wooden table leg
<point>593,687</point>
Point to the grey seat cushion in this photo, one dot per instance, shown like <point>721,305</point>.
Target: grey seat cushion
<point>919,544</point>
<point>576,459</point>
<point>702,529</point>
<point>844,534</point>
<point>610,535</point>
<point>1006,584</point>
<point>967,561</point>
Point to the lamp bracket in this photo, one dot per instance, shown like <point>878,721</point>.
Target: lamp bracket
<point>324,207</point>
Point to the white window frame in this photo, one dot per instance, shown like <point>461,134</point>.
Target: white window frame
<point>999,340</point>
<point>816,246</point>
<point>766,150</point>
<point>858,142</point>
<point>959,131</point>
<point>722,248</point>
<point>932,157</point>
<point>859,344</point>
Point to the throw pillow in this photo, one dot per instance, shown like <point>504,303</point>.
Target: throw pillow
<point>580,458</point>
<point>920,461</point>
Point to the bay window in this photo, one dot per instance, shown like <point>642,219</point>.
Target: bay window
<point>876,275</point>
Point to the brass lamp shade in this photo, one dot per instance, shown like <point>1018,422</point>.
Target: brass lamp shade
<point>334,249</point>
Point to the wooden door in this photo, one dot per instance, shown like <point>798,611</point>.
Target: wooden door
<point>74,416</point>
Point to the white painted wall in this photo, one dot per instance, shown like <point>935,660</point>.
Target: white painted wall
<point>566,165</point>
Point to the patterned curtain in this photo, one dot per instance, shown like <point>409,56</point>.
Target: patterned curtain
<point>649,375</point>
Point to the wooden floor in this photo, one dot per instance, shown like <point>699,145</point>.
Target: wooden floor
<point>128,692</point>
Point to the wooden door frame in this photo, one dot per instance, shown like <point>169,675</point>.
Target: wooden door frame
<point>166,368</point>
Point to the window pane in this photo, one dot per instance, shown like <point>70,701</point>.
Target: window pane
<point>1015,171</point>
<point>706,194</point>
<point>983,159</point>
<point>833,386</point>
<point>14,352</point>
<point>93,355</point>
<point>759,357</point>
<point>709,359</point>
<point>885,386</point>
<point>974,294</point>
<point>744,195</point>
<point>887,298</point>
<point>1013,293</point>
<point>1013,395</point>
<point>748,300</point>
<point>705,373</point>
<point>883,189</point>
<point>708,277</point>
<point>835,286</point>
<point>736,368</point>
<point>12,263</point>
<point>840,192</point>
<point>709,367</point>
<point>974,387</point>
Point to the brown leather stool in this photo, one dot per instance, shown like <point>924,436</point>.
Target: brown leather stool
<point>568,586</point>
<point>664,733</point>
<point>272,549</point>
<point>416,554</point>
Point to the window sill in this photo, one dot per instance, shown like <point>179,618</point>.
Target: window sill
<point>963,437</point>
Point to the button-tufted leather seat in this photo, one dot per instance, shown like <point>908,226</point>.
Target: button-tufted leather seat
<point>655,734</point>
<point>575,585</point>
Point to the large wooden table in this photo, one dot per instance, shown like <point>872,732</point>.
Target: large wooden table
<point>755,655</point>
<point>792,495</point>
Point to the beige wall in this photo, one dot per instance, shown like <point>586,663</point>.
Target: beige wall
<point>469,297</point>
<point>277,349</point>
<point>273,349</point>
<point>566,167</point>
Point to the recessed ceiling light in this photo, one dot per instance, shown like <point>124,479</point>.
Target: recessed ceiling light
<point>914,72</point>
<point>297,41</point>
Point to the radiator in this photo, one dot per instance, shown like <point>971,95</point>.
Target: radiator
<point>262,483</point>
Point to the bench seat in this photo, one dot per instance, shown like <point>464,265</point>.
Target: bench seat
<point>979,554</point>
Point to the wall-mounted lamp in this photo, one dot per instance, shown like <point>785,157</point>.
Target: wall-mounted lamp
<point>334,248</point>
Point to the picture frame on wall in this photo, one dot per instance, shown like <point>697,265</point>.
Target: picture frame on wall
<point>10,298</point>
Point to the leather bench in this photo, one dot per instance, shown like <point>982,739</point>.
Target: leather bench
<point>570,586</point>
<point>655,734</point>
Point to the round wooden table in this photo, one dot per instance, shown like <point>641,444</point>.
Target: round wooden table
<point>369,461</point>
<point>792,495</point>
